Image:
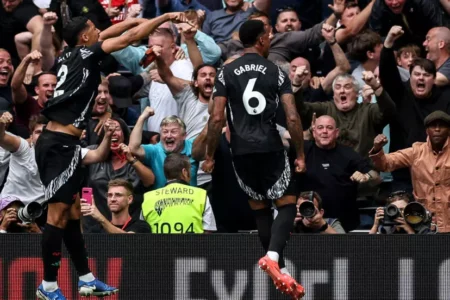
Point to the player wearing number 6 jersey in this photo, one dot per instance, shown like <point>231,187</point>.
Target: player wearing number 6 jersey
<point>178,207</point>
<point>251,88</point>
<point>59,155</point>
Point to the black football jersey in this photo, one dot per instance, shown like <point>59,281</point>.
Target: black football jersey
<point>78,72</point>
<point>253,87</point>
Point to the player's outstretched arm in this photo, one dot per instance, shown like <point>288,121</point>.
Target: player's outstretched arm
<point>119,28</point>
<point>141,31</point>
<point>295,128</point>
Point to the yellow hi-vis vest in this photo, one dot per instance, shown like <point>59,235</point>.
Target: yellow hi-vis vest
<point>175,208</point>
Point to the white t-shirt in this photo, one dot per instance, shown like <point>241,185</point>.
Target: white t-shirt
<point>209,221</point>
<point>195,115</point>
<point>192,111</point>
<point>160,97</point>
<point>42,3</point>
<point>23,180</point>
<point>4,163</point>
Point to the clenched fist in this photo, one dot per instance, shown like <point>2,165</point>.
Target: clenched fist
<point>50,18</point>
<point>300,165</point>
<point>148,112</point>
<point>379,141</point>
<point>394,34</point>
<point>360,177</point>
<point>328,33</point>
<point>370,80</point>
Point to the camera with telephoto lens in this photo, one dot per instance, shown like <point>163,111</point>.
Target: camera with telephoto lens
<point>416,214</point>
<point>30,212</point>
<point>307,209</point>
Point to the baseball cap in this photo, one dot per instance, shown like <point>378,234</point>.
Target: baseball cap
<point>122,89</point>
<point>7,200</point>
<point>438,115</point>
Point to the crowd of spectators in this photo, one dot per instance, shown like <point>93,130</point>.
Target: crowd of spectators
<point>371,84</point>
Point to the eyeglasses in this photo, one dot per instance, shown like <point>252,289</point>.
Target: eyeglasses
<point>115,195</point>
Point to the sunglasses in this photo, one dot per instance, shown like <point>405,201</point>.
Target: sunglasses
<point>285,8</point>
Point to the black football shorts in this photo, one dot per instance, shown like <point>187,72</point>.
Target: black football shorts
<point>58,157</point>
<point>265,176</point>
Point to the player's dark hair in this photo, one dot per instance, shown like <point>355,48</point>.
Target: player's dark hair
<point>174,165</point>
<point>196,90</point>
<point>363,42</point>
<point>250,32</point>
<point>36,120</point>
<point>425,64</point>
<point>73,29</point>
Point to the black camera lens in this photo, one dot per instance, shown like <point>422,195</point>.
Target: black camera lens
<point>392,211</point>
<point>307,209</point>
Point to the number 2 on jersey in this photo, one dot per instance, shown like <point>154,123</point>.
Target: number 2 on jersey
<point>62,74</point>
<point>254,102</point>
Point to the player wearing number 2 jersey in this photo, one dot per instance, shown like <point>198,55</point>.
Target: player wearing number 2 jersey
<point>59,155</point>
<point>251,88</point>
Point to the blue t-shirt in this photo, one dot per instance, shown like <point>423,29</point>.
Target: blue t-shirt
<point>220,25</point>
<point>155,155</point>
<point>180,5</point>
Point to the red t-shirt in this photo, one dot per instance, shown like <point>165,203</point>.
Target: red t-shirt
<point>118,3</point>
<point>26,110</point>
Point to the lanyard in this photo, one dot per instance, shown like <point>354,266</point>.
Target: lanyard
<point>126,223</point>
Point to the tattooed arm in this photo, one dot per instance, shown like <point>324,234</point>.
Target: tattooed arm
<point>215,125</point>
<point>295,128</point>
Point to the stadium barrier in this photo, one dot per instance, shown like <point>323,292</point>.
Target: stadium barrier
<point>199,267</point>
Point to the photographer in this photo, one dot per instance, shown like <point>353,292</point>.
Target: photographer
<point>388,220</point>
<point>310,219</point>
<point>9,219</point>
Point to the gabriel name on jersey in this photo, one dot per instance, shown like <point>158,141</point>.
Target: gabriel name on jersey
<point>247,68</point>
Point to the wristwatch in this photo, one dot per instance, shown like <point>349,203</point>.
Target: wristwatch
<point>135,160</point>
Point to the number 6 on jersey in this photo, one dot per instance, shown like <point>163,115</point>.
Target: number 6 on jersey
<point>254,102</point>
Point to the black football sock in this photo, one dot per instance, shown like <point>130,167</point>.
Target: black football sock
<point>281,229</point>
<point>74,241</point>
<point>51,251</point>
<point>264,221</point>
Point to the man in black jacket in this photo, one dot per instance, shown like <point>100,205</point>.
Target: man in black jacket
<point>415,16</point>
<point>414,99</point>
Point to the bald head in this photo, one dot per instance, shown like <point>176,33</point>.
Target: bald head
<point>300,61</point>
<point>443,33</point>
<point>437,45</point>
<point>329,120</point>
<point>325,132</point>
<point>295,64</point>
